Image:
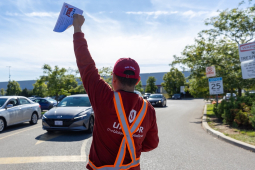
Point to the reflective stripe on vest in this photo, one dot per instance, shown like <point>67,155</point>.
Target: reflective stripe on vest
<point>128,138</point>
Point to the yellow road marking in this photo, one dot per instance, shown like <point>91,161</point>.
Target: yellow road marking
<point>19,132</point>
<point>40,159</point>
<point>43,159</point>
<point>46,137</point>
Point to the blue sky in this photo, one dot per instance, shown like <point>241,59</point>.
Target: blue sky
<point>150,31</point>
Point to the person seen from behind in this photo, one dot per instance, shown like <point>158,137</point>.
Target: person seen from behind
<point>125,124</point>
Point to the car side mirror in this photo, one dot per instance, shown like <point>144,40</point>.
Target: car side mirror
<point>9,106</point>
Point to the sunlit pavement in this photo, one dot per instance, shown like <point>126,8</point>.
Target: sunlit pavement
<point>183,145</point>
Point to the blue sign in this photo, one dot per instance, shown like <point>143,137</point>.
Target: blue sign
<point>215,79</point>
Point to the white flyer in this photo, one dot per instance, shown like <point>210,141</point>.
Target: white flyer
<point>247,51</point>
<point>216,85</point>
<point>248,69</point>
<point>65,18</point>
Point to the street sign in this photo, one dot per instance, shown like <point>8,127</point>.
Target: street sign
<point>182,89</point>
<point>210,71</point>
<point>216,85</point>
<point>247,51</point>
<point>248,69</point>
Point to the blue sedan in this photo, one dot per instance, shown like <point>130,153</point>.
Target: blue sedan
<point>46,104</point>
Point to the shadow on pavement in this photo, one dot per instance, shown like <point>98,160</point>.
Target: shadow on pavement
<point>17,127</point>
<point>198,122</point>
<point>62,136</point>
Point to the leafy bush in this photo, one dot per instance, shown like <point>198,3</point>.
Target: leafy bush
<point>242,118</point>
<point>252,117</point>
<point>227,116</point>
<point>239,112</point>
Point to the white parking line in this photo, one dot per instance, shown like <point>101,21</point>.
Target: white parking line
<point>83,147</point>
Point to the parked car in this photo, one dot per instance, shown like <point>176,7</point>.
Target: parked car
<point>139,93</point>
<point>51,99</point>
<point>60,97</point>
<point>176,96</point>
<point>18,109</point>
<point>73,113</point>
<point>45,104</point>
<point>228,96</point>
<point>157,100</point>
<point>146,95</point>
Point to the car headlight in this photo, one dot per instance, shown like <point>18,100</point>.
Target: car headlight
<point>44,117</point>
<point>159,101</point>
<point>80,116</point>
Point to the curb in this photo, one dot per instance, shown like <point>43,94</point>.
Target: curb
<point>223,137</point>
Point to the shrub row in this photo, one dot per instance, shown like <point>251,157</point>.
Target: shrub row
<point>239,112</point>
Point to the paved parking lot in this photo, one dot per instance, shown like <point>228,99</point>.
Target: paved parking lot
<point>183,145</point>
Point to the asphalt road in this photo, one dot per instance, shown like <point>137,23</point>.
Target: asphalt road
<point>183,145</point>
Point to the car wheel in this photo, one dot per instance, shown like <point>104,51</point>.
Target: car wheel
<point>91,124</point>
<point>2,124</point>
<point>50,131</point>
<point>162,104</point>
<point>34,119</point>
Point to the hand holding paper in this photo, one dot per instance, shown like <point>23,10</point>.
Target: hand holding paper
<point>65,18</point>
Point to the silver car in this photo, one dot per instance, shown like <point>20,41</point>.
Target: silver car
<point>73,113</point>
<point>18,109</point>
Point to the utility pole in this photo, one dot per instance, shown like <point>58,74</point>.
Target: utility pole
<point>9,73</point>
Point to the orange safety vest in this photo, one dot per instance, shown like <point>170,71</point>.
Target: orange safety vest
<point>127,140</point>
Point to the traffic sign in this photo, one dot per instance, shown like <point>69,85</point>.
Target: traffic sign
<point>247,51</point>
<point>210,71</point>
<point>248,69</point>
<point>216,85</point>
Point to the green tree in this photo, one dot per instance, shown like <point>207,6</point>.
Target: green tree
<point>2,92</point>
<point>150,86</point>
<point>58,81</point>
<point>79,89</point>
<point>139,87</point>
<point>218,47</point>
<point>173,80</point>
<point>105,74</point>
<point>236,25</point>
<point>40,88</point>
<point>24,92</point>
<point>13,88</point>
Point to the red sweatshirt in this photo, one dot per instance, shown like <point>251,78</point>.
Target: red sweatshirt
<point>107,134</point>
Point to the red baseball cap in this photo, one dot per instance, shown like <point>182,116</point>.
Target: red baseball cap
<point>124,64</point>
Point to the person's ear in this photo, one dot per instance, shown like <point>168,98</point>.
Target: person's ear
<point>114,78</point>
<point>138,80</point>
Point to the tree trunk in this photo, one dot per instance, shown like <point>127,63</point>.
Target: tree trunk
<point>239,92</point>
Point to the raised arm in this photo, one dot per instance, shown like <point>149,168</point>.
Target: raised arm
<point>91,80</point>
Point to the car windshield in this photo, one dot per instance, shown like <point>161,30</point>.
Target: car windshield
<point>176,94</point>
<point>2,101</point>
<point>75,102</point>
<point>50,99</point>
<point>229,94</point>
<point>155,96</point>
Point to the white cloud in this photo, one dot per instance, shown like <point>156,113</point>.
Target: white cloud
<point>204,14</point>
<point>153,13</point>
<point>34,14</point>
<point>42,14</point>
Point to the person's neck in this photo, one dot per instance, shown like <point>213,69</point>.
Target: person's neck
<point>126,88</point>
